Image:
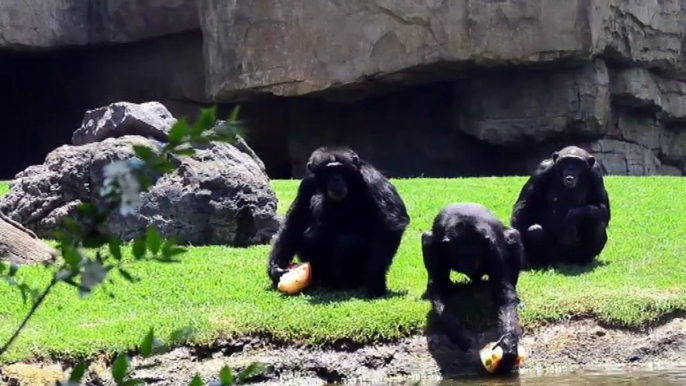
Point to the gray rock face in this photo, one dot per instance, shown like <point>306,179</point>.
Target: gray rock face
<point>150,119</point>
<point>509,108</point>
<point>295,48</point>
<point>55,23</point>
<point>220,195</point>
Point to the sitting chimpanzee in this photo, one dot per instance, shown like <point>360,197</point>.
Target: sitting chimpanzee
<point>347,221</point>
<point>563,210</point>
<point>468,238</point>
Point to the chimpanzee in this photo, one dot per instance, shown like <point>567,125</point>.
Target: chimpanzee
<point>347,221</point>
<point>563,210</point>
<point>468,238</point>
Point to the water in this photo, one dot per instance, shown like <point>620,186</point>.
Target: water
<point>676,376</point>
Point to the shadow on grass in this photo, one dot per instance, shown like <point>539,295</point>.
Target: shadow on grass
<point>472,307</point>
<point>322,296</point>
<point>569,269</point>
<point>318,295</point>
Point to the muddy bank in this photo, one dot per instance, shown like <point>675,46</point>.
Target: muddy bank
<point>551,349</point>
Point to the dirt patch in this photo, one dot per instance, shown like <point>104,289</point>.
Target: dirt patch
<point>551,349</point>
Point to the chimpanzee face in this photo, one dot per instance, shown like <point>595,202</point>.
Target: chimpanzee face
<point>334,173</point>
<point>572,169</point>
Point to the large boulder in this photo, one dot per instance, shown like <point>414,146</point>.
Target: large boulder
<point>56,23</point>
<point>220,195</point>
<point>295,48</point>
<point>150,119</point>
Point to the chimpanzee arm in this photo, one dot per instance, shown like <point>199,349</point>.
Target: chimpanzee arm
<point>598,202</point>
<point>390,224</point>
<point>291,232</point>
<point>531,196</point>
<point>504,279</point>
<point>451,324</point>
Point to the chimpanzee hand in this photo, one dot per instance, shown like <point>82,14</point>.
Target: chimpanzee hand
<point>275,274</point>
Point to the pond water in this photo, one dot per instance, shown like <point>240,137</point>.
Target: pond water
<point>676,376</point>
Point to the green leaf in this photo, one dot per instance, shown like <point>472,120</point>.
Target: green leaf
<point>95,241</point>
<point>126,275</point>
<point>253,370</point>
<point>72,257</point>
<point>71,225</point>
<point>178,131</point>
<point>196,381</point>
<point>170,249</point>
<point>14,268</point>
<point>234,114</point>
<point>119,368</point>
<point>62,236</point>
<point>145,182</point>
<point>77,373</point>
<point>188,151</point>
<point>87,209</point>
<point>143,152</point>
<point>138,248</point>
<point>115,248</point>
<point>205,121</point>
<point>226,376</point>
<point>163,166</point>
<point>153,239</point>
<point>146,345</point>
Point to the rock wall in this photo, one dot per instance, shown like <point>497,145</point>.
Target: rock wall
<point>437,87</point>
<point>526,77</point>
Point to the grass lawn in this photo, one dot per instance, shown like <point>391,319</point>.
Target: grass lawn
<point>223,291</point>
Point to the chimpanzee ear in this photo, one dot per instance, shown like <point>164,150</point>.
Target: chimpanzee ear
<point>556,155</point>
<point>310,166</point>
<point>591,161</point>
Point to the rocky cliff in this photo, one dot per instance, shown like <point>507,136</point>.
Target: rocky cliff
<point>432,87</point>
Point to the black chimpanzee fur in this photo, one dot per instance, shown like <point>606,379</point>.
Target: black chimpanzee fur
<point>347,221</point>
<point>468,238</point>
<point>563,210</point>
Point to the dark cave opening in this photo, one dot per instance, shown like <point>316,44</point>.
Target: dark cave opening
<point>407,131</point>
<point>40,104</point>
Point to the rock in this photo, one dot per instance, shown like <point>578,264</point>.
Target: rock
<point>243,146</point>
<point>624,158</point>
<point>674,148</point>
<point>40,24</point>
<point>150,119</point>
<point>514,107</point>
<point>217,196</point>
<point>669,170</point>
<point>641,129</point>
<point>269,46</point>
<point>638,88</point>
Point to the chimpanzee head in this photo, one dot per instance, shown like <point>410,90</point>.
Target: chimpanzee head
<point>463,237</point>
<point>335,170</point>
<point>573,164</point>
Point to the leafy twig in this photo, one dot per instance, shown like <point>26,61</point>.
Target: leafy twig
<point>28,316</point>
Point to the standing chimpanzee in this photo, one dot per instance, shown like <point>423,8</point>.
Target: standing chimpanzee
<point>469,239</point>
<point>347,221</point>
<point>563,210</point>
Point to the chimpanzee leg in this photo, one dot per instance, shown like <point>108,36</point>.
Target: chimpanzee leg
<point>592,240</point>
<point>345,267</point>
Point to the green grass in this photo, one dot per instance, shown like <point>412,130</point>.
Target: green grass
<point>223,291</point>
